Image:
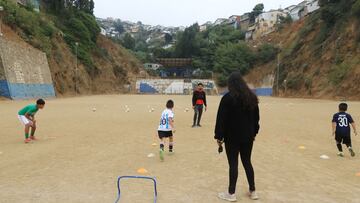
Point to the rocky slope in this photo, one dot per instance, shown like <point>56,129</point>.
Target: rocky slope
<point>311,65</point>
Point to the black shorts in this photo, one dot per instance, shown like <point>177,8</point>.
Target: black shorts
<point>345,139</point>
<point>165,134</point>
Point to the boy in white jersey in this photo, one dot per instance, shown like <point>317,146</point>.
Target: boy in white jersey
<point>166,128</point>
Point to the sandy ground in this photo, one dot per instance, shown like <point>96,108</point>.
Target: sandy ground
<point>80,153</point>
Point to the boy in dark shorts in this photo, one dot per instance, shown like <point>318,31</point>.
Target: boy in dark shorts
<point>27,117</point>
<point>166,128</point>
<point>341,129</point>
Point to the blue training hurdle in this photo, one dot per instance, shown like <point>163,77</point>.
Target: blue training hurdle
<point>136,177</point>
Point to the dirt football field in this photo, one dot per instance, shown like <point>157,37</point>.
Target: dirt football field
<point>85,143</point>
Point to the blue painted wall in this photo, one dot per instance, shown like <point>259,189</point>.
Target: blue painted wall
<point>263,91</point>
<point>146,88</point>
<point>4,89</point>
<point>257,91</point>
<point>26,91</point>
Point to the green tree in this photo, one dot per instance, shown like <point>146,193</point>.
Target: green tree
<point>186,45</point>
<point>91,6</point>
<point>128,41</point>
<point>232,57</point>
<point>141,46</point>
<point>159,52</point>
<point>266,53</point>
<point>119,26</point>
<point>168,38</point>
<point>257,10</point>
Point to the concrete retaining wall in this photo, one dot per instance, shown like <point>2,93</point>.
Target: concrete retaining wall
<point>177,86</point>
<point>25,70</point>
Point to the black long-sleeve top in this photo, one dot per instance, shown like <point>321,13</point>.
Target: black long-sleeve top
<point>199,95</point>
<point>234,123</point>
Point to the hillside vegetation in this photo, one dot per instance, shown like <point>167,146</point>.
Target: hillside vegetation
<point>65,30</point>
<point>319,56</point>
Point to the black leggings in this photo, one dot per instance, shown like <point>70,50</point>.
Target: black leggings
<point>198,110</point>
<point>232,152</point>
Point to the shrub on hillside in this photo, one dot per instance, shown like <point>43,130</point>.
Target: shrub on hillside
<point>338,73</point>
<point>266,53</point>
<point>356,8</point>
<point>231,57</point>
<point>294,81</point>
<point>34,27</point>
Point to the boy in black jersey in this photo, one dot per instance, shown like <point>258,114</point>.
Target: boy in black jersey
<point>341,129</point>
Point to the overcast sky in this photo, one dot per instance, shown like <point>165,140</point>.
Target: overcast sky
<point>180,12</point>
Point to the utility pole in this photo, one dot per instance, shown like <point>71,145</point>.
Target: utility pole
<point>278,69</point>
<point>76,67</point>
<point>1,10</point>
<point>277,74</point>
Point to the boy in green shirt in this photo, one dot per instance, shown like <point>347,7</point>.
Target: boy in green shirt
<point>27,118</point>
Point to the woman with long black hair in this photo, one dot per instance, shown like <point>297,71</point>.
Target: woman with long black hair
<point>237,125</point>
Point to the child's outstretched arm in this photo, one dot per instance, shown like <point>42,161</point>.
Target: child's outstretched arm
<point>354,128</point>
<point>333,128</point>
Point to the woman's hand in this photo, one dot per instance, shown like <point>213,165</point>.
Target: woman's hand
<point>220,149</point>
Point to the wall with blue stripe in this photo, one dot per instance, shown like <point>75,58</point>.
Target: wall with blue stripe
<point>268,91</point>
<point>146,88</point>
<point>263,91</point>
<point>26,91</point>
<point>4,89</point>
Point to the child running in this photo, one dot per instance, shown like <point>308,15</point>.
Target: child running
<point>27,118</point>
<point>166,128</point>
<point>341,129</point>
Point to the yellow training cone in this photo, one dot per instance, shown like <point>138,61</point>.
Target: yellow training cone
<point>302,147</point>
<point>154,144</point>
<point>142,171</point>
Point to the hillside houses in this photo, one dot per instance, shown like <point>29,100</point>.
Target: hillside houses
<point>221,21</point>
<point>244,22</point>
<point>302,9</point>
<point>108,28</point>
<point>266,22</point>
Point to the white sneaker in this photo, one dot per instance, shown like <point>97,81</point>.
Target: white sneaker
<point>226,196</point>
<point>253,195</point>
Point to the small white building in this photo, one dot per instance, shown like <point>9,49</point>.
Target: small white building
<point>302,9</point>
<point>289,8</point>
<point>312,6</point>
<point>205,26</point>
<point>266,22</point>
<point>221,21</point>
<point>152,66</point>
<point>103,31</point>
<point>234,21</point>
<point>295,12</point>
